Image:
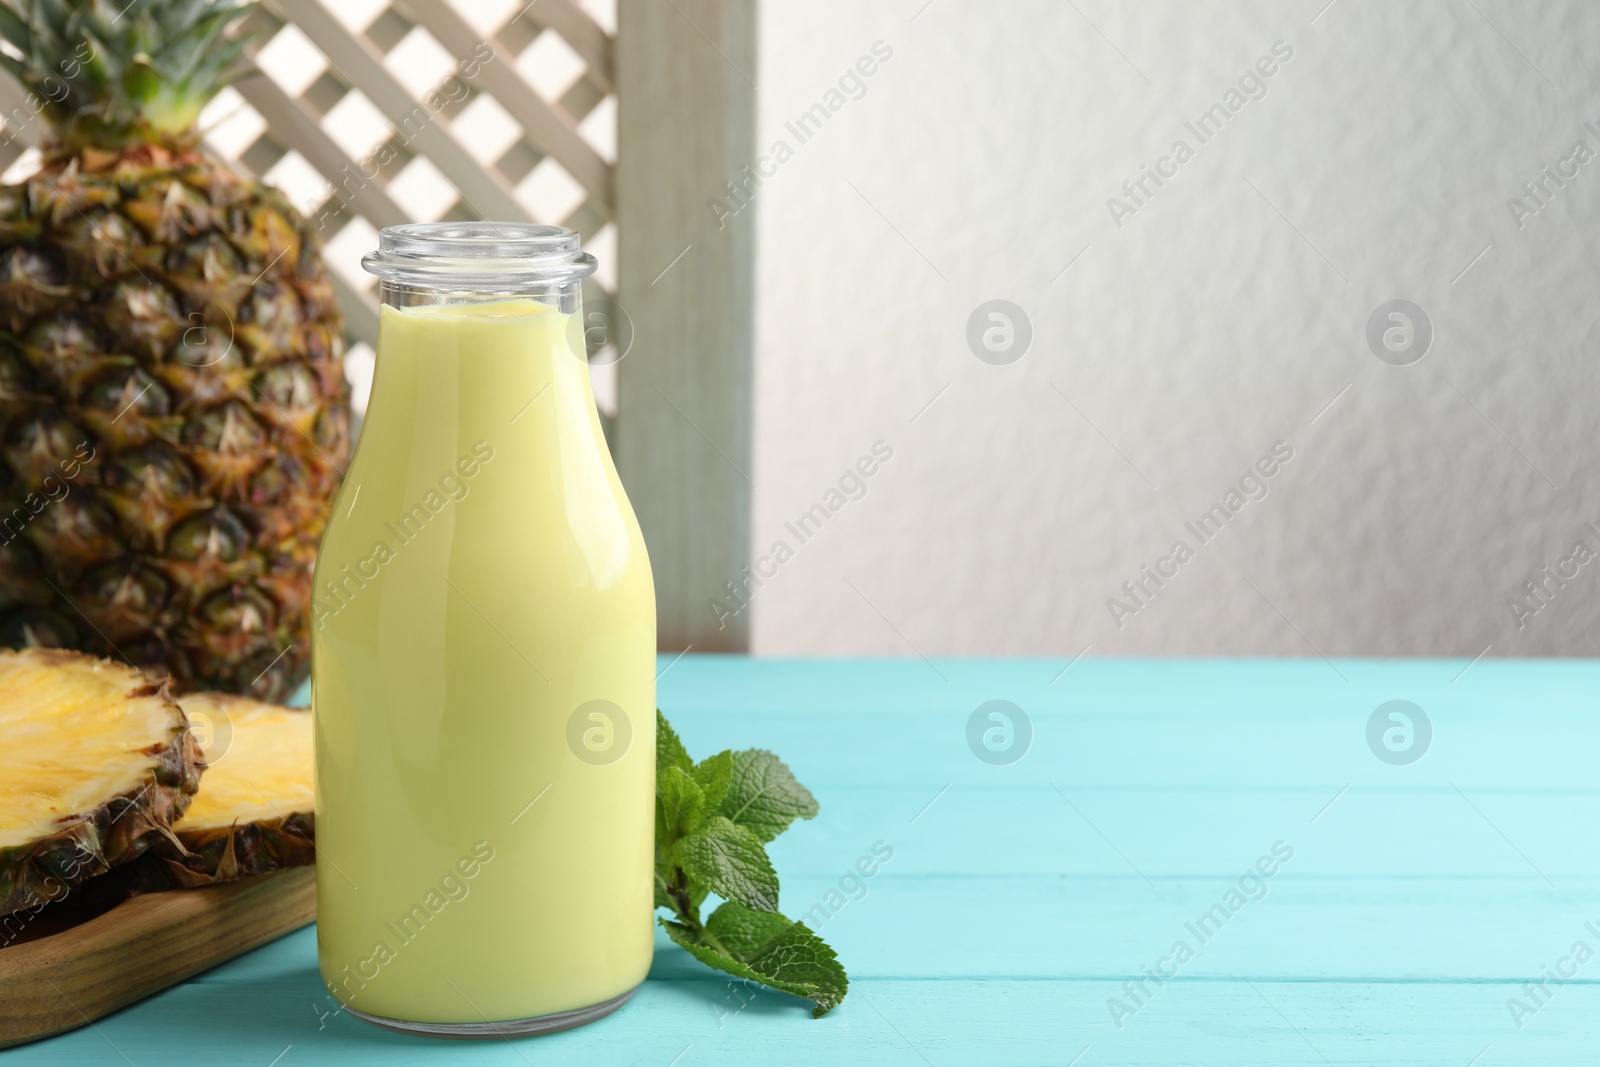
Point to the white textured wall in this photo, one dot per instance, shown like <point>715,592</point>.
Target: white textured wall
<point>1217,320</point>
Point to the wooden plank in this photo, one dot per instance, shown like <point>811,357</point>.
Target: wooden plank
<point>362,67</point>
<point>253,1009</point>
<point>1387,929</point>
<point>686,124</point>
<point>1147,725</point>
<point>1192,833</point>
<point>142,946</point>
<point>553,133</point>
<point>1001,928</point>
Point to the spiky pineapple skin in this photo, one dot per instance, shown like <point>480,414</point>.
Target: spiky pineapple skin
<point>90,843</point>
<point>222,854</point>
<point>174,417</point>
<point>227,849</point>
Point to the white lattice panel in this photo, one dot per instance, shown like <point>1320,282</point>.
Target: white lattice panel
<point>368,113</point>
<point>498,114</point>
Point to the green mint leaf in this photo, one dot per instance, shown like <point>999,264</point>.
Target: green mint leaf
<point>765,947</point>
<point>763,796</point>
<point>713,819</point>
<point>714,775</point>
<point>746,933</point>
<point>689,941</point>
<point>680,805</point>
<point>669,750</point>
<point>782,950</point>
<point>730,861</point>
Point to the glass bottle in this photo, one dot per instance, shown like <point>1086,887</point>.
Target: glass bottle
<point>483,659</point>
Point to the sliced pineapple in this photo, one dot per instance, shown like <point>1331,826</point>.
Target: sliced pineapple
<point>255,811</point>
<point>98,762</point>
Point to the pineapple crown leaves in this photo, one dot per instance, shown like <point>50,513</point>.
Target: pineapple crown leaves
<point>714,820</point>
<point>113,73</point>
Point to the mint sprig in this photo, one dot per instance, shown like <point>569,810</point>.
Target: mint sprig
<point>713,821</point>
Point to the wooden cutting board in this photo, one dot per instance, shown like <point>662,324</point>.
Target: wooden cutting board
<point>64,970</point>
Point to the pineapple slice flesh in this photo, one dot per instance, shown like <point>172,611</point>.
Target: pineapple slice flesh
<point>259,760</point>
<point>255,810</point>
<point>98,763</point>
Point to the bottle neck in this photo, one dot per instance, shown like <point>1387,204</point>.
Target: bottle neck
<point>566,298</point>
<point>486,360</point>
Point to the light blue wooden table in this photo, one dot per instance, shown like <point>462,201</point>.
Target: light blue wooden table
<point>1419,899</point>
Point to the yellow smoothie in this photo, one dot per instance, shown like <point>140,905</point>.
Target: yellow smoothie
<point>483,684</point>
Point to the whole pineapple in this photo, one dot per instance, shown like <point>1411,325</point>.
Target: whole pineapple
<point>174,417</point>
